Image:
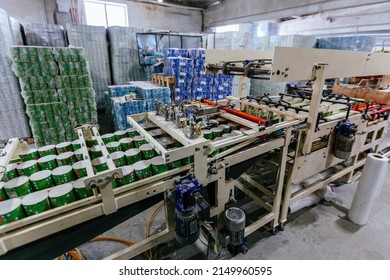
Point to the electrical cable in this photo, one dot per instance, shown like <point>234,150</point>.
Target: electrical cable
<point>151,218</point>
<point>77,255</point>
<point>74,254</point>
<point>116,239</point>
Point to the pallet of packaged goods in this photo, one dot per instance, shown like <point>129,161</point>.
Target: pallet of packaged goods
<point>13,119</point>
<point>124,56</point>
<point>48,35</point>
<point>57,91</point>
<point>94,41</point>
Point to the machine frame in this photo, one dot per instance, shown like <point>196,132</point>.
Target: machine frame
<point>288,64</point>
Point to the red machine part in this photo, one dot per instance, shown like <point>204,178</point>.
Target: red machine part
<point>375,110</point>
<point>237,113</point>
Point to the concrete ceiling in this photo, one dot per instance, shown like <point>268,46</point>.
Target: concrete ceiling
<point>204,4</point>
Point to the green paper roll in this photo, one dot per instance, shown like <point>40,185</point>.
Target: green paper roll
<point>28,168</point>
<point>120,134</point>
<point>225,128</point>
<point>11,172</point>
<point>66,158</point>
<point>147,151</point>
<point>100,164</point>
<point>63,174</point>
<point>108,138</point>
<point>214,123</point>
<point>78,154</point>
<point>41,180</point>
<point>36,202</point>
<point>114,147</point>
<point>126,143</point>
<point>217,132</point>
<point>175,164</point>
<point>48,162</point>
<point>142,169</point>
<point>158,165</point>
<point>18,187</point>
<point>62,195</point>
<point>222,121</point>
<point>95,152</point>
<point>80,190</point>
<point>3,194</point>
<point>207,134</point>
<point>139,141</point>
<point>133,155</point>
<point>91,141</point>
<point>131,132</point>
<point>64,147</point>
<point>80,169</point>
<point>30,154</point>
<point>47,150</point>
<point>76,144</point>
<point>128,175</point>
<point>119,159</point>
<point>11,211</point>
<point>233,126</point>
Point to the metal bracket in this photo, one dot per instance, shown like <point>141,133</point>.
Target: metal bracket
<point>104,181</point>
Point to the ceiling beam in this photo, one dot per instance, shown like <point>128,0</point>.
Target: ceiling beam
<point>233,11</point>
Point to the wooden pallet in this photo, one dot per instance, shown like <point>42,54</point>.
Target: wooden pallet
<point>165,81</point>
<point>162,80</point>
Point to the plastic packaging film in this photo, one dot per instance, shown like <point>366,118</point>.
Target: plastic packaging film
<point>11,102</point>
<point>48,35</point>
<point>94,41</point>
<point>124,54</point>
<point>369,187</point>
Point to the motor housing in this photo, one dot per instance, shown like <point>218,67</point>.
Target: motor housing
<point>344,139</point>
<point>191,209</point>
<point>232,234</point>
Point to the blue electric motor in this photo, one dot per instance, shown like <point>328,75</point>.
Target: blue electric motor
<point>191,208</point>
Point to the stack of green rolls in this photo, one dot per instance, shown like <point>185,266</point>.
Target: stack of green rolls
<point>57,90</point>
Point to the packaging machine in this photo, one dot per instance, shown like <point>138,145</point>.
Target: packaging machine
<point>209,148</point>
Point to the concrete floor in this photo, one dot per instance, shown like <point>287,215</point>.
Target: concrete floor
<point>317,232</point>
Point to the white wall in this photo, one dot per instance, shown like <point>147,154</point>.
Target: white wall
<point>25,10</point>
<point>150,16</point>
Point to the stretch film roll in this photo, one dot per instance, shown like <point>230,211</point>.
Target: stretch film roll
<point>368,189</point>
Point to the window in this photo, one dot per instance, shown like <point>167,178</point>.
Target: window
<point>106,14</point>
<point>227,28</point>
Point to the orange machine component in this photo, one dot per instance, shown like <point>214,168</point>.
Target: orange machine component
<point>240,114</point>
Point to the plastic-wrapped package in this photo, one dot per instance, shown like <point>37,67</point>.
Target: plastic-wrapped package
<point>350,43</point>
<point>150,93</point>
<point>124,58</point>
<point>49,35</point>
<point>13,119</point>
<point>56,88</point>
<point>16,31</point>
<point>93,40</point>
<point>234,40</point>
<point>121,90</point>
<point>192,82</point>
<point>122,101</point>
